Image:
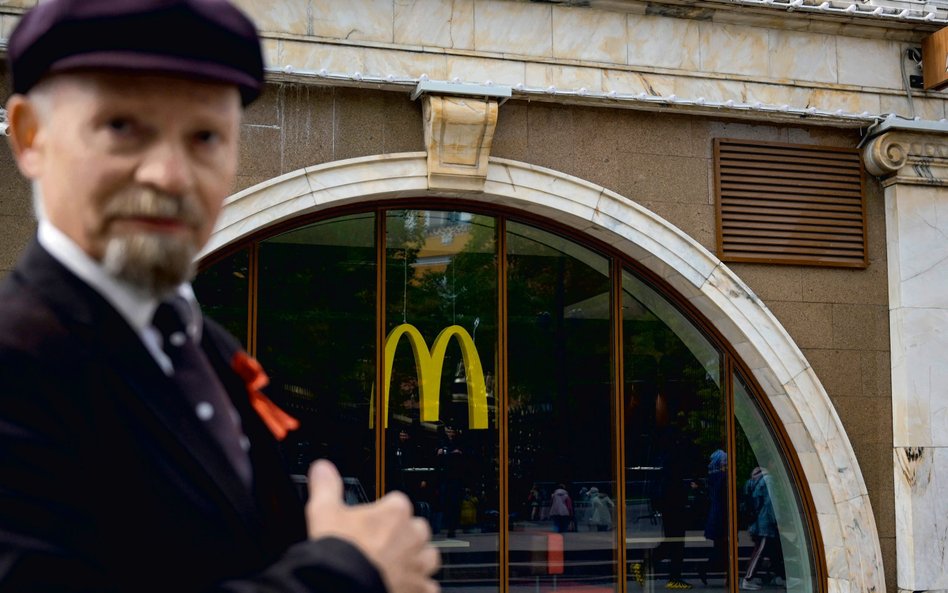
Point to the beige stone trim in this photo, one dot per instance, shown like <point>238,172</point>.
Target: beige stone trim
<point>913,158</point>
<point>458,136</point>
<point>913,165</point>
<point>831,471</point>
<point>796,61</point>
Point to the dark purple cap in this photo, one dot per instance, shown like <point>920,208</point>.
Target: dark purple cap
<point>209,40</point>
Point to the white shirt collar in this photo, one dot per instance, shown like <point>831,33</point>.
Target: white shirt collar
<point>134,305</point>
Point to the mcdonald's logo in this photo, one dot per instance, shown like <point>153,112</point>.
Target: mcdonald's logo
<point>428,365</point>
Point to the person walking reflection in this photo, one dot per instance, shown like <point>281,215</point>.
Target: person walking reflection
<point>561,509</point>
<point>451,467</point>
<point>763,528</point>
<point>671,500</point>
<point>469,511</point>
<point>533,502</point>
<point>715,527</point>
<point>404,457</point>
<point>602,507</point>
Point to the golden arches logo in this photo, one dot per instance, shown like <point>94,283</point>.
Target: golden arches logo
<point>428,365</point>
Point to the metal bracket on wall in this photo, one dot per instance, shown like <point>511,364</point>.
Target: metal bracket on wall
<point>462,89</point>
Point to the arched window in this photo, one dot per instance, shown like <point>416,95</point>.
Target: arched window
<point>560,416</point>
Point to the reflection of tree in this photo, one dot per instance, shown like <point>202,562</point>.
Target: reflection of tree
<point>464,288</point>
<point>318,299</point>
<point>667,383</point>
<point>433,283</point>
<point>222,291</point>
<point>462,292</point>
<point>559,365</point>
<point>706,420</point>
<point>467,287</point>
<point>316,338</point>
<point>405,236</point>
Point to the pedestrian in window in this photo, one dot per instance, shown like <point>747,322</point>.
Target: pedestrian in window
<point>763,529</point>
<point>138,450</point>
<point>451,468</point>
<point>715,526</point>
<point>403,459</point>
<point>601,510</point>
<point>533,502</point>
<point>671,499</point>
<point>561,509</point>
<point>469,510</point>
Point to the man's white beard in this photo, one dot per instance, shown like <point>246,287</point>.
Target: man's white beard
<point>153,263</point>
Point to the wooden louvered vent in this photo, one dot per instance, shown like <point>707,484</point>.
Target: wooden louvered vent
<point>789,204</point>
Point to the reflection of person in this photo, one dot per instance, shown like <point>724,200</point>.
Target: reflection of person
<point>601,505</point>
<point>451,467</point>
<point>533,501</point>
<point>561,509</point>
<point>126,466</point>
<point>469,510</point>
<point>671,500</point>
<point>763,527</point>
<point>715,526</point>
<point>402,457</point>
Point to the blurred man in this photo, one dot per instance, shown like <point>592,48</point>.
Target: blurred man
<point>137,450</point>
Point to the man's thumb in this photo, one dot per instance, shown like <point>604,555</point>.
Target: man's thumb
<point>325,483</point>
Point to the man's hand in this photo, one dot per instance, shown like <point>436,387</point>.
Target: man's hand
<point>386,531</point>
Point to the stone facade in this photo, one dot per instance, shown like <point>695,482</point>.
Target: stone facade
<point>836,317</point>
<point>913,171</point>
<point>620,101</point>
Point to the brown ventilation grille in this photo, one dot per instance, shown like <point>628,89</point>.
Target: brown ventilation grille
<point>789,204</point>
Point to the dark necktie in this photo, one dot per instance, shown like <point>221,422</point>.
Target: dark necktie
<point>204,392</point>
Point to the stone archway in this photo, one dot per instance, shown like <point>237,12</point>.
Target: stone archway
<point>845,521</point>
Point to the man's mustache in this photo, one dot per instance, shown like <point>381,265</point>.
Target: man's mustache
<point>147,202</point>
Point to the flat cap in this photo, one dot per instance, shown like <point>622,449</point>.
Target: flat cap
<point>209,40</point>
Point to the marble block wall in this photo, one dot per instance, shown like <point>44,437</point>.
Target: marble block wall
<point>913,166</point>
<point>917,234</point>
<point>717,53</point>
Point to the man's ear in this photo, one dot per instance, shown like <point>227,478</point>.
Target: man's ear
<point>23,129</point>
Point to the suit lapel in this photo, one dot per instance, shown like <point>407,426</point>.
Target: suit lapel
<point>163,399</point>
<point>149,391</point>
<point>278,500</point>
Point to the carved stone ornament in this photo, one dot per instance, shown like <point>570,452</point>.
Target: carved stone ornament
<point>458,136</point>
<point>908,157</point>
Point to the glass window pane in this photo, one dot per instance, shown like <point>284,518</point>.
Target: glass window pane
<point>222,289</point>
<point>316,337</point>
<point>562,483</point>
<point>440,355</point>
<point>774,552</point>
<point>675,443</point>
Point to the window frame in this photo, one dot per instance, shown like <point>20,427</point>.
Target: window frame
<point>731,365</point>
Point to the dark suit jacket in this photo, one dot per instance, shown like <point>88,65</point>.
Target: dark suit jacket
<point>109,482</point>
